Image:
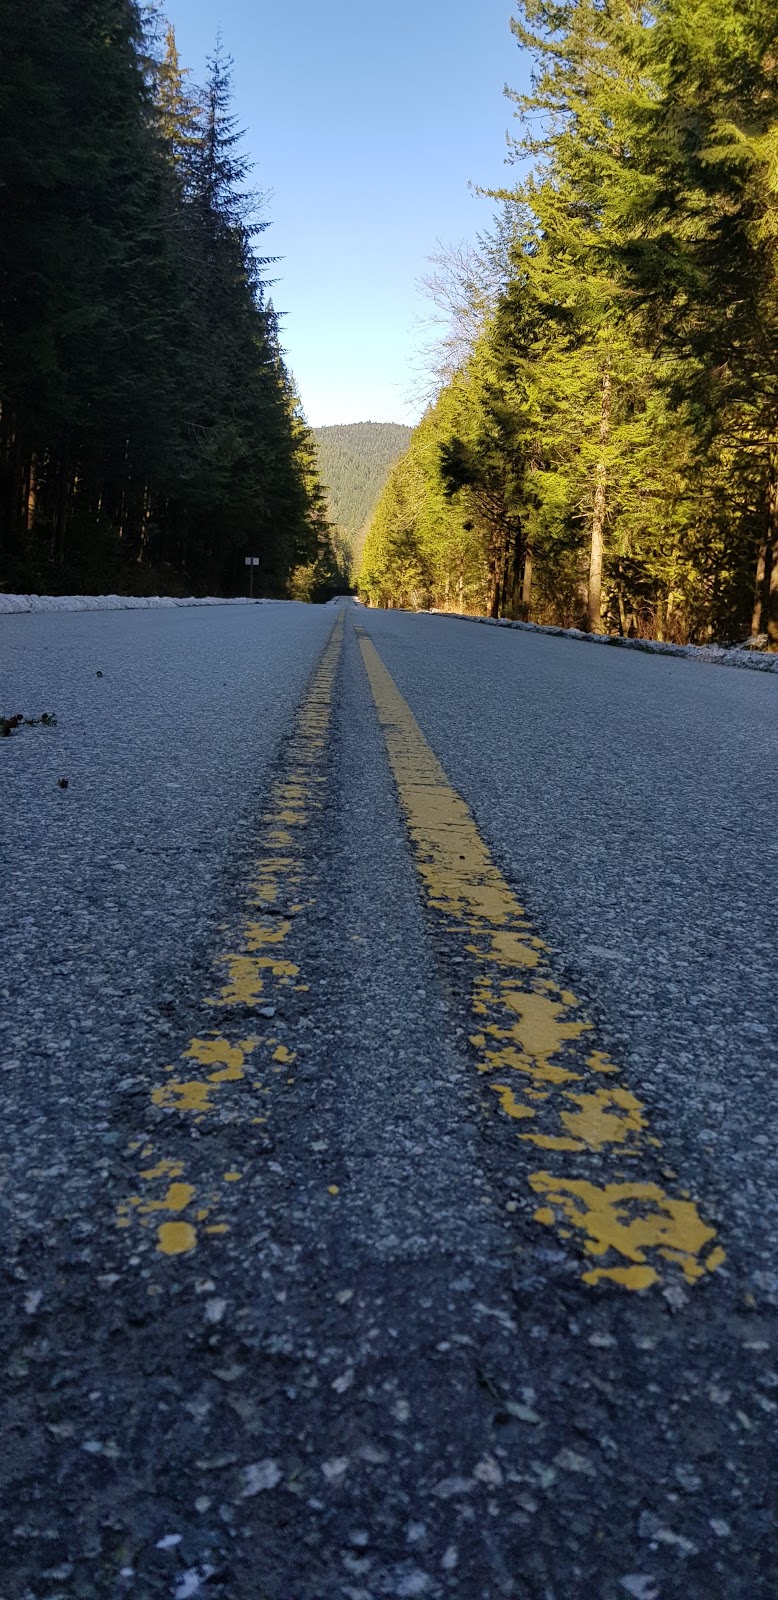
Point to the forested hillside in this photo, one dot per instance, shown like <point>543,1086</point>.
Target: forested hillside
<point>355,459</point>
<point>150,435</point>
<point>606,451</point>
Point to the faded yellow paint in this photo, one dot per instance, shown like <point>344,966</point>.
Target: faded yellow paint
<point>533,1026</point>
<point>508,949</point>
<point>545,1071</point>
<point>606,1117</point>
<point>257,934</point>
<point>288,816</point>
<point>627,1277</point>
<point>163,1169</point>
<point>599,1062</point>
<point>192,1095</point>
<point>176,1238</point>
<point>253,970</point>
<point>218,1051</point>
<point>509,1103</point>
<point>265,886</point>
<point>247,974</point>
<point>266,893</point>
<point>715,1259</point>
<point>544,1025</point>
<point>246,983</point>
<point>228,1075</point>
<point>627,1219</point>
<point>553,1141</point>
<point>177,1198</point>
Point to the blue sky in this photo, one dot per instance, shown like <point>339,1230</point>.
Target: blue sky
<point>366,124</point>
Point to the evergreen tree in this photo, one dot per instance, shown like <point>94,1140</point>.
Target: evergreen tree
<point>78,267</point>
<point>610,419</point>
<point>147,421</point>
<point>177,109</point>
<point>702,247</point>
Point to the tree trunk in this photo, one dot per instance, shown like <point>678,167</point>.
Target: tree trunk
<point>496,565</point>
<point>594,593</point>
<point>764,617</point>
<point>13,463</point>
<point>32,494</point>
<point>759,589</point>
<point>514,563</point>
<point>61,495</point>
<point>526,582</point>
<point>771,557</point>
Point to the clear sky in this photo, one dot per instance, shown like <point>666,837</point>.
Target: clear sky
<point>366,122</point>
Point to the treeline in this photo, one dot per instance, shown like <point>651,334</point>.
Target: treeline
<point>150,435</point>
<point>605,453</point>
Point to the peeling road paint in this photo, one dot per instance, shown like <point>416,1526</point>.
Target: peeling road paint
<point>532,1040</point>
<point>379,1177</point>
<point>248,980</point>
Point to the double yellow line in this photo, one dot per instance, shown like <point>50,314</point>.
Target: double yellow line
<point>532,1042</point>
<point>530,1038</point>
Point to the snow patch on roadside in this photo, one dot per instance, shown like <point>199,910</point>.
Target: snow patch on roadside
<point>713,654</point>
<point>14,603</point>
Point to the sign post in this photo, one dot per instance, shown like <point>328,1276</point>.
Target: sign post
<point>251,562</point>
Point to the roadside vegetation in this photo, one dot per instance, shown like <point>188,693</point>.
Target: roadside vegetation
<point>602,450</point>
<point>150,434</point>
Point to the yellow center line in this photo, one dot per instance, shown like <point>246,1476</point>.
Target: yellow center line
<point>530,1038</point>
<point>251,976</point>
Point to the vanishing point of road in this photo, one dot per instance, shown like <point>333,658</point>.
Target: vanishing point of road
<point>388,1173</point>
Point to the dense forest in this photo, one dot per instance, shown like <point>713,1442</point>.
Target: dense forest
<point>603,450</point>
<point>150,435</point>
<point>355,460</point>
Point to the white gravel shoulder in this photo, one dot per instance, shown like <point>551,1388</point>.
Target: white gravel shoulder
<point>714,654</point>
<point>14,603</point>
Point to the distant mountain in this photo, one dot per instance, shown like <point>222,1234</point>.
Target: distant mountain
<point>355,459</point>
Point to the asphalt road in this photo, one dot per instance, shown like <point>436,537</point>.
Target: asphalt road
<point>388,1185</point>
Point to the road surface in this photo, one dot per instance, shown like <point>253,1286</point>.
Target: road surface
<point>387,1162</point>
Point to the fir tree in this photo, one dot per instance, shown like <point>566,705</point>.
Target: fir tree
<point>704,219</point>
<point>147,422</point>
